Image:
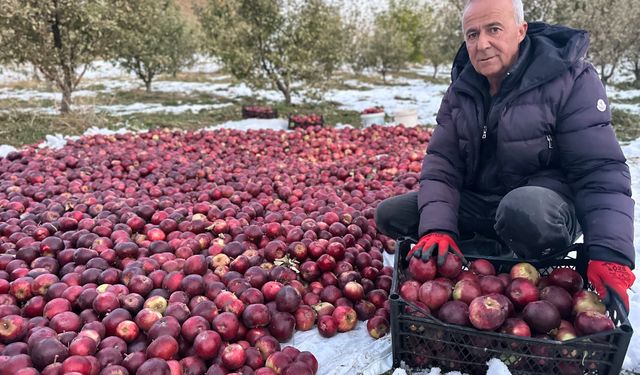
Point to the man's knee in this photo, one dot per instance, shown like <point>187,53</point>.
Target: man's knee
<point>522,204</point>
<point>534,218</point>
<point>383,215</point>
<point>398,216</point>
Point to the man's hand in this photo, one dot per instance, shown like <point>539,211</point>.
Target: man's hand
<point>443,242</point>
<point>610,277</point>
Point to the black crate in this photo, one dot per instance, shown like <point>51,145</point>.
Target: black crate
<point>424,342</point>
<point>263,112</point>
<point>305,121</point>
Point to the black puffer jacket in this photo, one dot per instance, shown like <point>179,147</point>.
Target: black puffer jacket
<point>549,125</point>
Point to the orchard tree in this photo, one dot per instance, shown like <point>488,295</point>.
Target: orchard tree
<point>445,35</point>
<point>612,29</point>
<point>357,29</point>
<point>411,18</point>
<point>389,48</point>
<point>155,38</point>
<point>276,43</point>
<point>60,38</point>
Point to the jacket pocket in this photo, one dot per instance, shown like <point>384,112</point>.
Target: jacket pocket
<point>546,154</point>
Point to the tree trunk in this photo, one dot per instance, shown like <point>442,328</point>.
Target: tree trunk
<point>147,85</point>
<point>435,70</point>
<point>287,97</point>
<point>384,75</point>
<point>636,71</point>
<point>284,89</point>
<point>65,104</point>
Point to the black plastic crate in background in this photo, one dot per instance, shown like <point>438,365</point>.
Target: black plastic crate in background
<point>262,112</point>
<point>425,341</point>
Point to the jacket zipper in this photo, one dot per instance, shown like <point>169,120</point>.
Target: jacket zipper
<point>549,139</point>
<point>484,133</point>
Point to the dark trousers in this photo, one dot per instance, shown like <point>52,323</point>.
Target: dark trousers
<point>530,220</point>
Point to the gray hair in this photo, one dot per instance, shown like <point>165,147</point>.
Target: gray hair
<point>518,11</point>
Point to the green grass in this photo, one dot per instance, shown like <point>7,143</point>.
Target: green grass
<point>19,129</point>
<point>627,125</point>
<point>10,104</point>
<point>164,98</point>
<point>219,77</point>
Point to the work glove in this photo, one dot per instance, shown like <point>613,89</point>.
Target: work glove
<point>609,277</point>
<point>441,241</point>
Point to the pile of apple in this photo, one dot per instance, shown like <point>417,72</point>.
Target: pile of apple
<point>195,252</point>
<point>520,303</point>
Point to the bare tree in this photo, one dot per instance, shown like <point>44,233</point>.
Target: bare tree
<point>60,38</point>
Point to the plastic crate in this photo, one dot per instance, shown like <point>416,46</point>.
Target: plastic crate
<point>305,121</point>
<point>424,342</point>
<point>264,112</point>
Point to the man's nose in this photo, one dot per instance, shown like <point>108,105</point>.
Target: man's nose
<point>483,41</point>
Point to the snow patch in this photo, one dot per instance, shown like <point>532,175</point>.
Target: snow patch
<point>497,367</point>
<point>128,109</point>
<point>353,352</point>
<point>419,95</point>
<point>253,124</point>
<point>5,150</point>
<point>56,141</point>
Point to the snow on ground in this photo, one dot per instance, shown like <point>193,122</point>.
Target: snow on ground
<point>128,109</point>
<point>623,94</point>
<point>26,95</point>
<point>631,108</point>
<point>253,124</point>
<point>414,94</point>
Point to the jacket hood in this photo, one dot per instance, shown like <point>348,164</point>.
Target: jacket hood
<point>550,51</point>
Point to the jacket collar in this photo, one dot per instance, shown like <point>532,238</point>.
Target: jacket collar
<point>546,52</point>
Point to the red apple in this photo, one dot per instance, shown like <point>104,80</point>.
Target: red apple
<point>377,327</point>
<point>305,318</point>
<point>454,312</point>
<point>451,267</point>
<point>207,344</point>
<point>466,291</point>
<point>422,271</point>
<point>327,326</point>
<point>486,313</point>
<point>590,322</point>
<point>127,330</point>
<point>164,347</point>
<point>433,294</point>
<point>346,318</point>
<point>566,278</point>
<point>522,291</point>
<point>541,316</point>
<point>482,267</point>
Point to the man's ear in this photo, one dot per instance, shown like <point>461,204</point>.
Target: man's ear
<point>522,31</point>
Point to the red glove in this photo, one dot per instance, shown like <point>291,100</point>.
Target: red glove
<point>429,242</point>
<point>610,277</point>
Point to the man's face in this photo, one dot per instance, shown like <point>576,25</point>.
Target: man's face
<point>492,37</point>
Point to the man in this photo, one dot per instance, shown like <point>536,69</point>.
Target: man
<point>523,153</point>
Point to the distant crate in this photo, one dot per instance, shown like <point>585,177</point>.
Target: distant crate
<point>303,121</point>
<point>256,111</point>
